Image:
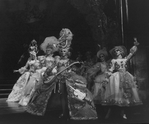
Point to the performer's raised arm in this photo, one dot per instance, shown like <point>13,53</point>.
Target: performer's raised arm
<point>133,49</point>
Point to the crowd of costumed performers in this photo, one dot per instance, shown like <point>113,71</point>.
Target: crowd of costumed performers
<point>81,85</point>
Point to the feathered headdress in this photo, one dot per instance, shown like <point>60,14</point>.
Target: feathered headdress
<point>50,42</point>
<point>65,38</point>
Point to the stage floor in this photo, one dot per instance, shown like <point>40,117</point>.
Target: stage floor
<point>12,113</point>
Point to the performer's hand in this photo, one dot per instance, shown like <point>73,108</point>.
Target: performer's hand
<point>54,70</point>
<point>22,70</point>
<point>135,39</point>
<point>109,74</point>
<point>136,43</point>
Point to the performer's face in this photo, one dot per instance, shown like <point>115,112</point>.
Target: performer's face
<point>117,52</point>
<point>64,52</point>
<point>102,57</point>
<point>49,51</point>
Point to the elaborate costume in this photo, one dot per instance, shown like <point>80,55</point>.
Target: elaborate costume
<point>27,71</point>
<point>74,93</point>
<point>80,99</point>
<point>72,105</point>
<point>122,85</point>
<point>99,72</point>
<point>48,46</point>
<point>43,92</point>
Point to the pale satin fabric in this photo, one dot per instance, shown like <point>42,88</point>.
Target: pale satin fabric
<point>17,91</point>
<point>35,80</point>
<point>18,88</point>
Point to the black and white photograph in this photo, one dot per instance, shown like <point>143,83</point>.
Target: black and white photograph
<point>74,61</point>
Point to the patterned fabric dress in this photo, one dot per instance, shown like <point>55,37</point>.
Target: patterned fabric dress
<point>35,80</point>
<point>79,109</point>
<point>40,99</point>
<point>18,89</point>
<point>122,89</point>
<point>43,91</point>
<point>80,99</point>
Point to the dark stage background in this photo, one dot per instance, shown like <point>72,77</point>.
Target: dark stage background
<point>24,20</point>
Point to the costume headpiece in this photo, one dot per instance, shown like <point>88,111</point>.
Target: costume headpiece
<point>65,38</point>
<point>33,47</point>
<point>122,49</point>
<point>66,34</point>
<point>49,42</point>
<point>102,51</point>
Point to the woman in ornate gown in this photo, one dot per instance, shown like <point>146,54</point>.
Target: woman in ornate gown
<point>71,86</point>
<point>45,61</point>
<point>100,80</point>
<point>122,88</point>
<point>26,71</point>
<point>39,101</point>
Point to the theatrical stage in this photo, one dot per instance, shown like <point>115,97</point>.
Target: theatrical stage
<point>12,113</point>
